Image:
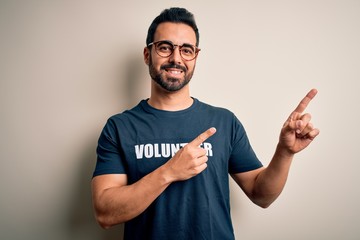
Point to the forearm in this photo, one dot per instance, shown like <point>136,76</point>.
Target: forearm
<point>116,205</point>
<point>271,181</point>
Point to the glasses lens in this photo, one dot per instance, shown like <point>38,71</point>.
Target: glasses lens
<point>187,52</point>
<point>164,49</point>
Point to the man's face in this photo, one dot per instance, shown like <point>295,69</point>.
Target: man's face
<point>171,73</point>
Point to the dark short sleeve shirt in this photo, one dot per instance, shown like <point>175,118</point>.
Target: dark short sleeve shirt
<point>138,141</point>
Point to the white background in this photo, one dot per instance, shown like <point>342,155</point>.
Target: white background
<point>66,66</point>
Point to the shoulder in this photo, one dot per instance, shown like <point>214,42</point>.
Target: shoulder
<point>127,114</point>
<point>222,116</point>
<point>215,110</point>
<point>120,123</point>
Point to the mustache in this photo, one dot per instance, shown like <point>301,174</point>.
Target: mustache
<point>173,66</point>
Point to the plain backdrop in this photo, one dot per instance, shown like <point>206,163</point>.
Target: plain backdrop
<point>66,66</point>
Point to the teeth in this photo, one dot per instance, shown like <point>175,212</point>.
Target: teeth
<point>175,72</point>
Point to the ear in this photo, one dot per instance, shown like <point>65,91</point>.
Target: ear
<point>146,55</point>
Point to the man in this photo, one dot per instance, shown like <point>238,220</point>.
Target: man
<point>163,166</point>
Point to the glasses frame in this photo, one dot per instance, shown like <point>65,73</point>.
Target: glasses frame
<point>197,50</point>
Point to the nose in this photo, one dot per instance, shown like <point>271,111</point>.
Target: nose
<point>175,56</point>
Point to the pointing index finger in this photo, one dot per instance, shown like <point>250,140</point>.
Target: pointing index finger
<point>305,101</point>
<point>203,136</point>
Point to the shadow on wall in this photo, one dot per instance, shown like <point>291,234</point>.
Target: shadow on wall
<point>82,223</point>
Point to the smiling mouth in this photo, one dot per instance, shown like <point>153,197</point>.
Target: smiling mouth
<point>174,71</point>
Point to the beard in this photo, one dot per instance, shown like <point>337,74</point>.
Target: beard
<point>170,84</point>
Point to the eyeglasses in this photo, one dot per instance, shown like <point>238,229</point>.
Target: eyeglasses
<point>165,48</point>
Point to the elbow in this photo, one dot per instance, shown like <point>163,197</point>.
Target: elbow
<point>101,217</point>
<point>263,202</point>
<point>104,225</point>
<point>103,221</point>
<point>264,205</point>
<point>107,221</point>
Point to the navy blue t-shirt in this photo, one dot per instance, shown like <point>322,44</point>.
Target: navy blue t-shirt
<point>139,140</point>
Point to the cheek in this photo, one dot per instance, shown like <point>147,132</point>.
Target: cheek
<point>190,67</point>
<point>151,59</point>
<point>155,62</point>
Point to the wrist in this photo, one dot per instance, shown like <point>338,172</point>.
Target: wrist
<point>165,174</point>
<point>284,152</point>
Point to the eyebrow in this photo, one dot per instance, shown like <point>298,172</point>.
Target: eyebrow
<point>184,44</point>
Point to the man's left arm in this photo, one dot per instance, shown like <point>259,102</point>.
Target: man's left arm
<point>264,185</point>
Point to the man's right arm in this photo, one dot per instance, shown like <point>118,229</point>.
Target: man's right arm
<point>116,202</point>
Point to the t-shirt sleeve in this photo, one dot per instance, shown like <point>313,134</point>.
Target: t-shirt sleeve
<point>109,157</point>
<point>243,157</point>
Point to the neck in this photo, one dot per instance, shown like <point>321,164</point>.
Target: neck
<point>170,101</point>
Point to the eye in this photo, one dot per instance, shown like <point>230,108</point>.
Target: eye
<point>164,47</point>
<point>187,50</point>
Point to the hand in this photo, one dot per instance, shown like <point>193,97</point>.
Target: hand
<point>191,159</point>
<point>298,132</point>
